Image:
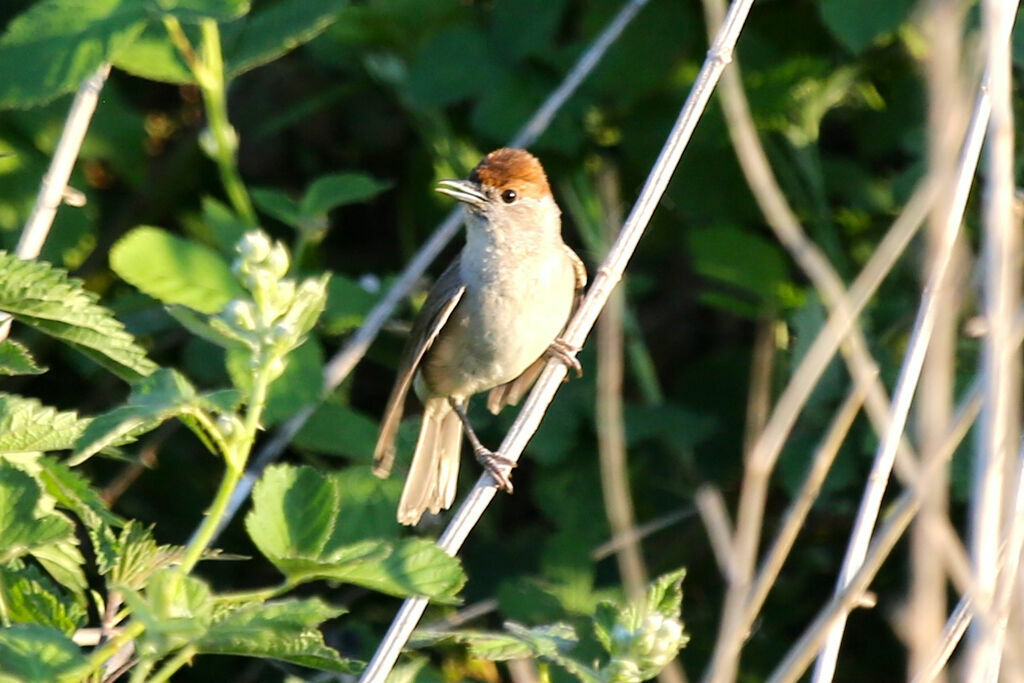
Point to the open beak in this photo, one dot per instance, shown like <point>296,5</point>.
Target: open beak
<point>463,190</point>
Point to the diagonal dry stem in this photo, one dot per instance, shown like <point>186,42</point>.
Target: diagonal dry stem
<point>54,187</point>
<point>344,361</point>
<point>607,277</point>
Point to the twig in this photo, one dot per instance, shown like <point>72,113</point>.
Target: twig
<point>344,361</point>
<point>998,431</point>
<point>762,457</point>
<point>611,429</point>
<point>639,532</point>
<point>957,623</point>
<point>711,507</point>
<point>909,373</point>
<point>55,182</point>
<point>607,277</point>
<point>923,617</point>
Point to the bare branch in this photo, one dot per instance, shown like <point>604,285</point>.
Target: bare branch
<point>607,276</point>
<point>54,186</point>
<point>344,361</point>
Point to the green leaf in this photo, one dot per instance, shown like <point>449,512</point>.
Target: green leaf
<point>665,594</point>
<point>154,400</point>
<point>337,429</point>
<point>859,23</point>
<point>756,272</point>
<point>64,561</point>
<point>285,630</point>
<point>138,556</point>
<point>29,597</point>
<point>174,271</point>
<point>347,305</point>
<point>266,35</point>
<point>212,329</point>
<point>226,228</point>
<point>26,426</point>
<point>154,57</point>
<point>26,523</point>
<point>197,10</point>
<point>45,298</point>
<point>454,65</point>
<point>37,653</point>
<point>16,360</point>
<point>297,522</point>
<point>338,189</point>
<point>300,385</point>
<point>279,205</point>
<point>54,45</point>
<point>176,608</point>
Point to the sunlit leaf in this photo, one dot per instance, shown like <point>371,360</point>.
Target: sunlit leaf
<point>15,359</point>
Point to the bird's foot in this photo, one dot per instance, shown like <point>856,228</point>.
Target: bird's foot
<point>497,465</point>
<point>566,353</point>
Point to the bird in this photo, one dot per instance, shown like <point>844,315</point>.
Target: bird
<point>489,323</point>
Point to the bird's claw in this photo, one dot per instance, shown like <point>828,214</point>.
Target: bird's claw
<point>566,353</point>
<point>498,466</point>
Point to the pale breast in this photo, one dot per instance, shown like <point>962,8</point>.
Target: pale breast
<point>505,321</point>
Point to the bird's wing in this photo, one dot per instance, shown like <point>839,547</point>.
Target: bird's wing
<point>511,393</point>
<point>442,299</point>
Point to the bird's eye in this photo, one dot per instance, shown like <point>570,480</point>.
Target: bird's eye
<point>509,196</point>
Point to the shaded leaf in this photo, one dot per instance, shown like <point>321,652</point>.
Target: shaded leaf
<point>279,205</point>
<point>37,653</point>
<point>159,397</point>
<point>858,23</point>
<point>285,630</point>
<point>268,34</point>
<point>347,305</point>
<point>45,298</point>
<point>337,429</point>
<point>174,271</point>
<point>26,425</point>
<point>16,360</point>
<point>338,189</point>
<point>26,525</point>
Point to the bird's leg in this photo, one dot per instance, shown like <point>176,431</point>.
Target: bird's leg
<point>566,352</point>
<point>495,463</point>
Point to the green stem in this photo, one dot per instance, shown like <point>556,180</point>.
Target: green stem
<point>174,663</point>
<point>236,459</point>
<point>215,98</point>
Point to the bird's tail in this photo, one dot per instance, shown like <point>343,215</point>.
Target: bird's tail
<point>434,473</point>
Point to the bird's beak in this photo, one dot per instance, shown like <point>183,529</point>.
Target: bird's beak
<point>463,190</point>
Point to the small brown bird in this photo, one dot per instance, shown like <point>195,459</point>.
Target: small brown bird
<point>487,324</point>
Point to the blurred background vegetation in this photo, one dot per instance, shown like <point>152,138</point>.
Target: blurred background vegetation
<point>411,92</point>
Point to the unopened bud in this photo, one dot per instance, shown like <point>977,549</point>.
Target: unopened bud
<point>277,260</point>
<point>254,247</point>
<point>239,313</point>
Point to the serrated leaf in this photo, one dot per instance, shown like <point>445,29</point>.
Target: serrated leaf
<point>16,360</point>
<point>285,630</point>
<point>25,524</point>
<point>139,556</point>
<point>296,523</point>
<point>159,397</point>
<point>26,425</point>
<point>266,35</point>
<point>338,189</point>
<point>174,271</point>
<point>29,597</point>
<point>37,653</point>
<point>45,298</point>
<point>665,594</point>
<point>71,491</point>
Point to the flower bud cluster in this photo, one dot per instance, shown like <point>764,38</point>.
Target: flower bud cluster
<point>280,313</point>
<point>641,653</point>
